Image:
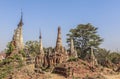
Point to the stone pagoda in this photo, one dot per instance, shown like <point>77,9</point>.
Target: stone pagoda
<point>39,59</point>
<point>17,39</point>
<point>73,52</point>
<point>60,52</point>
<point>58,55</point>
<point>59,40</point>
<point>51,58</point>
<point>93,59</point>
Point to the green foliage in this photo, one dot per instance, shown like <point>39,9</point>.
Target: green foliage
<point>84,36</point>
<point>8,60</point>
<point>10,48</point>
<point>22,52</point>
<point>114,57</point>
<point>5,70</point>
<point>16,57</point>
<point>1,61</point>
<point>7,65</point>
<point>73,77</point>
<point>33,47</point>
<point>104,56</point>
<point>48,48</point>
<point>72,59</point>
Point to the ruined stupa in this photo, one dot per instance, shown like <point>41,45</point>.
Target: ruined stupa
<point>17,39</point>
<point>51,58</point>
<point>93,59</point>
<point>73,52</point>
<point>39,59</point>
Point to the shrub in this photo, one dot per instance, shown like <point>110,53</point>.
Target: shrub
<point>22,53</point>
<point>72,59</point>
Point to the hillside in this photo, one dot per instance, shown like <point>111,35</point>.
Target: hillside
<point>81,70</point>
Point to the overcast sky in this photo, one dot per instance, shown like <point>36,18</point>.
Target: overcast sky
<point>49,14</point>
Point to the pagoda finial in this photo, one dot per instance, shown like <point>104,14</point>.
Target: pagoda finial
<point>21,22</point>
<point>21,15</point>
<point>40,37</point>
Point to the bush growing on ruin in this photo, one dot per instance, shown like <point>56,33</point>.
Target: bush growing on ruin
<point>72,59</point>
<point>22,52</point>
<point>10,48</point>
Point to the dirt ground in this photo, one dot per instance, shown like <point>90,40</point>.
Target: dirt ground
<point>55,76</point>
<point>112,76</point>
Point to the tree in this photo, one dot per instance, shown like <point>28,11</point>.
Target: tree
<point>32,47</point>
<point>102,56</point>
<point>47,49</point>
<point>114,57</point>
<point>84,36</point>
<point>106,57</point>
